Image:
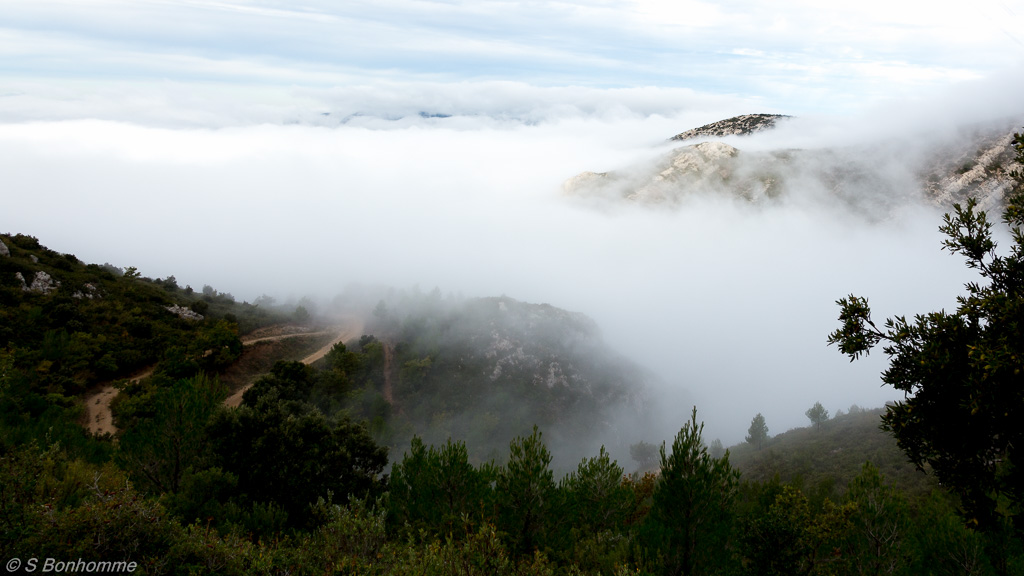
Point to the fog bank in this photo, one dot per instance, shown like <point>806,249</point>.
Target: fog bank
<point>728,301</point>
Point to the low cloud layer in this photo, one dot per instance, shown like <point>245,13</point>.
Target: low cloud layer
<point>729,302</point>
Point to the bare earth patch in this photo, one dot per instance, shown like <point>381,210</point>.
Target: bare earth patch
<point>99,419</point>
<point>347,330</point>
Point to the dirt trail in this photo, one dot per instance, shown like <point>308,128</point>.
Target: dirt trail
<point>98,418</point>
<point>389,361</point>
<point>349,329</point>
<point>346,330</point>
<point>249,341</point>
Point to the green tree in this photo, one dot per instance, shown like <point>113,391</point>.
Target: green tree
<point>596,498</point>
<point>435,490</point>
<point>597,504</point>
<point>758,431</point>
<point>644,454</point>
<point>960,371</point>
<point>691,518</point>
<point>218,346</point>
<point>292,458</point>
<point>789,537</point>
<point>717,448</point>
<point>380,311</point>
<point>944,546</point>
<point>817,414</point>
<point>880,525</point>
<point>288,381</point>
<point>111,525</point>
<point>526,493</point>
<point>161,449</point>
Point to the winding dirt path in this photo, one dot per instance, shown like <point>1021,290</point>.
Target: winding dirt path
<point>250,341</point>
<point>98,418</point>
<point>346,330</point>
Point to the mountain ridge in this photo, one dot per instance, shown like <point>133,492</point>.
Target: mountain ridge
<point>873,179</point>
<point>742,125</point>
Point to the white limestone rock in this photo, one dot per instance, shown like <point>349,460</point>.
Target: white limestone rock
<point>185,313</point>
<point>88,291</point>
<point>736,126</point>
<point>585,181</point>
<point>42,283</point>
<point>872,179</point>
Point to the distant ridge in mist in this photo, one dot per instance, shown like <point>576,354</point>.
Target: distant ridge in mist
<point>735,126</point>
<point>873,179</point>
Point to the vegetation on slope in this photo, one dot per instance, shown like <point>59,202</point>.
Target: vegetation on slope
<point>486,370</point>
<point>290,482</point>
<point>832,454</point>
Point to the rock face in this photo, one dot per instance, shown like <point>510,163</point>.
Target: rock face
<point>4,250</point>
<point>869,179</point>
<point>185,313</point>
<point>533,339</point>
<point>735,126</point>
<point>42,283</point>
<point>708,168</point>
<point>465,362</point>
<point>978,168</point>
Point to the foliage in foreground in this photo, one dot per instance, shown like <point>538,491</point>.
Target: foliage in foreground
<point>961,371</point>
<point>441,514</point>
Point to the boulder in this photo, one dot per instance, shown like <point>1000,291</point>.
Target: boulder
<point>88,291</point>
<point>42,283</point>
<point>186,313</point>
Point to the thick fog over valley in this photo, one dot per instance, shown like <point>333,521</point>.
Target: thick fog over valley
<point>305,181</point>
<point>728,302</point>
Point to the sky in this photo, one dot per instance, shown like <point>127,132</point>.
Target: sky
<point>349,57</point>
<point>295,148</point>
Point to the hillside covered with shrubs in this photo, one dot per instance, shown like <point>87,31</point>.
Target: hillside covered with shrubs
<point>313,473</point>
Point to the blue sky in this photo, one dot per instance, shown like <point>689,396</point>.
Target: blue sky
<point>796,56</point>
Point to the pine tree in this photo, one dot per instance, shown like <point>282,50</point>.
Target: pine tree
<point>817,414</point>
<point>692,512</point>
<point>758,431</point>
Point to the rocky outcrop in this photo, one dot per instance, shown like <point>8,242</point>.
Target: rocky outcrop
<point>708,167</point>
<point>88,291</point>
<point>980,169</point>
<point>523,338</point>
<point>185,313</point>
<point>708,164</point>
<point>4,250</point>
<point>586,181</point>
<point>735,126</point>
<point>870,179</point>
<point>42,283</point>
